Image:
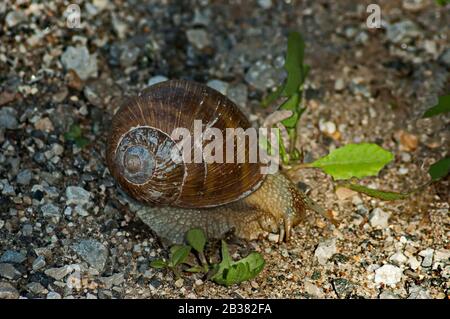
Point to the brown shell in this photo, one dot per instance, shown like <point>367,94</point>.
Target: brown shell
<point>152,116</point>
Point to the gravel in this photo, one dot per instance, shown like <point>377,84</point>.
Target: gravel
<point>66,226</point>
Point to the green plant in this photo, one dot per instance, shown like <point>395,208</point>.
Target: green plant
<point>75,135</point>
<point>227,272</point>
<point>352,161</point>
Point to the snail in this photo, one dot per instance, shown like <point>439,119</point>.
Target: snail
<point>179,195</point>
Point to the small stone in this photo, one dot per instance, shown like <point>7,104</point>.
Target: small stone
<point>8,118</point>
<point>313,290</point>
<point>179,283</point>
<point>343,193</point>
<point>156,79</point>
<point>427,255</point>
<point>77,195</point>
<point>262,76</point>
<point>238,94</point>
<point>44,124</point>
<point>413,263</point>
<point>8,271</point>
<point>27,230</point>
<point>445,58</point>
<point>53,295</point>
<point>342,287</point>
<point>79,60</point>
<point>11,256</point>
<point>14,18</point>
<point>388,295</point>
<point>7,291</point>
<point>414,5</point>
<point>325,250</point>
<point>402,31</point>
<point>218,85</point>
<point>129,56</point>
<point>327,127</point>
<point>409,142</point>
<point>388,275</point>
<point>417,292</point>
<point>38,263</point>
<point>114,280</point>
<point>50,210</point>
<point>398,258</point>
<point>58,273</point>
<point>93,252</point>
<point>339,85</point>
<point>379,218</point>
<point>24,177</point>
<point>199,38</point>
<point>274,237</point>
<point>7,97</point>
<point>265,4</point>
<point>36,288</point>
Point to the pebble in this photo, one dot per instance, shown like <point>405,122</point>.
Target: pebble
<point>156,79</point>
<point>199,38</point>
<point>325,250</point>
<point>113,280</point>
<point>14,18</point>
<point>179,283</point>
<point>8,118</point>
<point>77,195</point>
<point>50,210</point>
<point>445,58</point>
<point>413,263</point>
<point>38,263</point>
<point>79,60</point>
<point>218,85</point>
<point>265,4</point>
<point>398,258</point>
<point>274,237</point>
<point>339,85</point>
<point>11,256</point>
<point>44,124</point>
<point>24,177</point>
<point>58,273</point>
<point>262,76</point>
<point>93,252</point>
<point>129,56</point>
<point>401,31</point>
<point>379,218</point>
<point>427,255</point>
<point>417,292</point>
<point>8,271</point>
<point>238,94</point>
<point>388,275</point>
<point>313,290</point>
<point>53,295</point>
<point>7,291</point>
<point>342,287</point>
<point>36,288</point>
<point>27,230</point>
<point>386,294</point>
<point>327,127</point>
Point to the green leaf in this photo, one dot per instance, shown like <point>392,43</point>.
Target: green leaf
<point>158,264</point>
<point>230,273</point>
<point>195,269</point>
<point>291,104</point>
<point>384,195</point>
<point>443,106</point>
<point>294,63</point>
<point>75,135</point>
<point>442,2</point>
<point>354,160</point>
<point>197,239</point>
<point>440,169</point>
<point>179,255</point>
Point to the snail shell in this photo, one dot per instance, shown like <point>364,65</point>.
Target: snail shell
<point>140,148</point>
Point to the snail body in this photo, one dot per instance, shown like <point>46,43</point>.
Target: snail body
<point>216,196</point>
